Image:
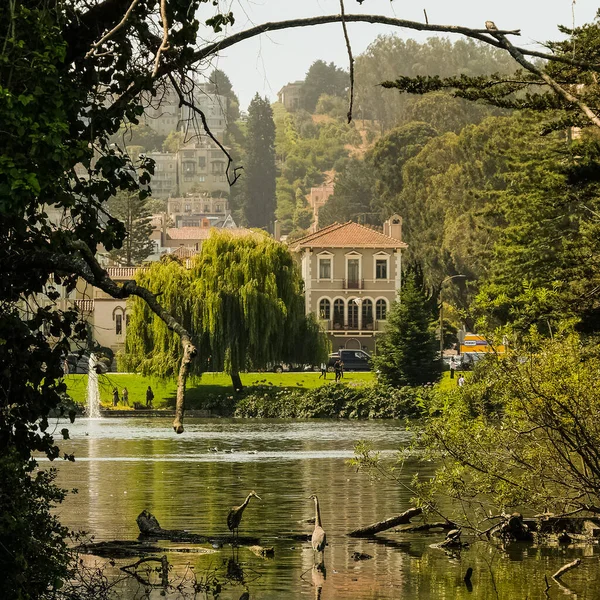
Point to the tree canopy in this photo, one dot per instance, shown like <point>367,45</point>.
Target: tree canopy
<point>243,301</point>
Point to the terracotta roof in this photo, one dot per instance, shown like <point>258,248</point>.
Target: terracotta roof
<point>184,252</point>
<point>188,233</point>
<point>203,233</point>
<point>348,235</point>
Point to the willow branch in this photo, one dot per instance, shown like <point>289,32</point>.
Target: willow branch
<point>350,58</point>
<point>517,54</point>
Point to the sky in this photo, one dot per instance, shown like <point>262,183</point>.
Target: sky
<point>266,63</point>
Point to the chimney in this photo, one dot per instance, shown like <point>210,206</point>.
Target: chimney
<point>277,231</point>
<point>393,227</point>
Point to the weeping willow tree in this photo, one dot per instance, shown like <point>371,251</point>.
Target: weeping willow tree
<point>243,301</point>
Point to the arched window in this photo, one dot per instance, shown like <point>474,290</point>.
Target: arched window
<point>338,314</point>
<point>353,304</point>
<point>367,313</point>
<point>325,309</point>
<point>381,310</point>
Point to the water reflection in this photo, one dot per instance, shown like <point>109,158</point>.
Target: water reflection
<point>126,465</point>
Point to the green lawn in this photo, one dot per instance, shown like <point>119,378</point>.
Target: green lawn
<point>210,383</point>
<point>446,383</point>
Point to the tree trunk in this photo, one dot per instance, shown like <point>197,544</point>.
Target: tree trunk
<point>402,519</point>
<point>189,351</point>
<point>236,380</point>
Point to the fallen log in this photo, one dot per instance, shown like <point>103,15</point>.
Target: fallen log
<point>402,519</point>
<point>150,529</point>
<point>262,551</point>
<point>446,525</point>
<point>566,568</point>
<point>119,549</point>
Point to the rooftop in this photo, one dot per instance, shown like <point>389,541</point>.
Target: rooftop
<point>347,235</point>
<point>202,233</point>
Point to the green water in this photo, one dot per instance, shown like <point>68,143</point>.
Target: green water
<point>126,465</point>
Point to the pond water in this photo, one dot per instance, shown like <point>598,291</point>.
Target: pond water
<point>126,465</point>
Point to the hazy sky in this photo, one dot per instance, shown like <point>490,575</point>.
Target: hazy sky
<point>266,63</point>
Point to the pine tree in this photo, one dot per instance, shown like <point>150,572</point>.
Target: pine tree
<point>131,210</point>
<point>407,351</point>
<point>260,174</point>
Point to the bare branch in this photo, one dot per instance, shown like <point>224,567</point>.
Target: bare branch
<point>164,46</point>
<point>351,60</point>
<point>116,28</point>
<point>184,102</point>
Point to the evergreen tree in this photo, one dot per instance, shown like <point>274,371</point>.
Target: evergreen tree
<point>259,169</point>
<point>322,78</point>
<point>132,211</point>
<point>407,351</point>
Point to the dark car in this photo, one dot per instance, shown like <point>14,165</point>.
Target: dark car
<point>354,360</point>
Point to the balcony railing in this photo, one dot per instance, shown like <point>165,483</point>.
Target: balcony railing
<point>85,305</point>
<point>351,326</point>
<point>353,284</point>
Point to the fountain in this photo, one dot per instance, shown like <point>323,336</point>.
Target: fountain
<point>93,393</point>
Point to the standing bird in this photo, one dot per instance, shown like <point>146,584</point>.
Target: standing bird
<point>319,539</point>
<point>235,514</point>
<point>491,26</point>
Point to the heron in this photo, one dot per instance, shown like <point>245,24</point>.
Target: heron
<point>235,514</point>
<point>319,539</point>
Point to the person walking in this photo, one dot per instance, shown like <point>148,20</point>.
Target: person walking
<point>341,369</point>
<point>115,396</point>
<point>323,371</point>
<point>125,396</point>
<point>149,397</point>
<point>337,367</point>
<point>461,380</point>
<point>452,367</point>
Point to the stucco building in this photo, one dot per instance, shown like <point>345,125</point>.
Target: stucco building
<point>352,274</point>
<point>289,95</point>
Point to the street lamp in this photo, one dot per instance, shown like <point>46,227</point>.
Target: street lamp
<point>442,313</point>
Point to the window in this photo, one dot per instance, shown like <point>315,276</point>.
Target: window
<point>324,268</point>
<point>202,162</point>
<point>188,208</point>
<point>206,208</point>
<point>381,268</point>
<point>367,313</point>
<point>202,179</point>
<point>118,324</point>
<point>218,208</point>
<point>352,313</point>
<point>325,309</point>
<point>338,314</point>
<point>381,310</point>
<point>353,268</point>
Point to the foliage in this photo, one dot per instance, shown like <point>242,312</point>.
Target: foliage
<point>390,56</point>
<point>407,351</point>
<point>259,201</point>
<point>352,197</point>
<point>322,78</point>
<point>524,431</point>
<point>173,142</point>
<point>375,401</point>
<point>34,554</point>
<point>243,301</point>
<point>133,212</point>
<point>141,135</point>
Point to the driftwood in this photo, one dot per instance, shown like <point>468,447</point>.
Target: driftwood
<point>151,529</point>
<point>566,568</point>
<point>446,525</point>
<point>361,556</point>
<point>119,549</point>
<point>402,519</point>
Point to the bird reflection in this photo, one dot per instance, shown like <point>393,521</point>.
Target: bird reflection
<point>235,571</point>
<point>319,574</point>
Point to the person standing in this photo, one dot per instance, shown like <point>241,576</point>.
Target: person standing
<point>337,367</point>
<point>323,371</point>
<point>452,367</point>
<point>461,380</point>
<point>149,397</point>
<point>125,397</point>
<point>341,369</point>
<point>115,396</point>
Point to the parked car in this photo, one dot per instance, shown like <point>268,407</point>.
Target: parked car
<point>354,360</point>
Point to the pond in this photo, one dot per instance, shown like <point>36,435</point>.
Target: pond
<point>126,465</point>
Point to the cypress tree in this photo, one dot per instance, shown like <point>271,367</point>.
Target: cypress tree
<point>260,173</point>
<point>131,210</point>
<point>407,351</point>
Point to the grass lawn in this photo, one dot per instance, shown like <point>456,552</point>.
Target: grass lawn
<point>210,383</point>
<point>446,383</point>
